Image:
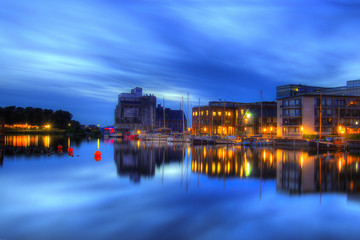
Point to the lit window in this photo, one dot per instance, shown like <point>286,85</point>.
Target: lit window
<point>195,113</point>
<point>207,112</point>
<point>219,113</point>
<point>202,113</point>
<point>214,114</point>
<point>229,114</point>
<point>242,111</point>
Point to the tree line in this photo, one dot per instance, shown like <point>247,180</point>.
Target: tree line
<point>36,116</point>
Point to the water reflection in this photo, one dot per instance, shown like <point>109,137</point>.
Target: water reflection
<point>237,162</point>
<point>140,159</point>
<point>47,141</point>
<point>302,172</point>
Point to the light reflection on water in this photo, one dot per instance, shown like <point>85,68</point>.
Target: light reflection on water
<point>145,191</point>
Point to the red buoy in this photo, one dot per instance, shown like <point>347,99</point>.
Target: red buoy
<point>97,154</point>
<point>70,149</point>
<point>60,147</point>
<point>97,158</point>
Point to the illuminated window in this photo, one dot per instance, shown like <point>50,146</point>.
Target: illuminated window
<point>219,113</point>
<point>202,113</point>
<point>207,112</point>
<point>225,113</point>
<point>196,113</point>
<point>214,114</point>
<point>229,114</point>
<point>242,111</point>
<point>193,113</point>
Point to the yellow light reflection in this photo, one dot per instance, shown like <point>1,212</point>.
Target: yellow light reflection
<point>98,143</point>
<point>230,153</point>
<point>247,169</point>
<point>340,164</point>
<point>218,168</point>
<point>213,168</point>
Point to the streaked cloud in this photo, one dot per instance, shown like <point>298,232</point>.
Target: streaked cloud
<point>94,50</point>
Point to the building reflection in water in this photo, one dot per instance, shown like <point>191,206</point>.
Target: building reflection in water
<point>233,162</point>
<point>303,172</point>
<point>139,159</point>
<point>295,171</point>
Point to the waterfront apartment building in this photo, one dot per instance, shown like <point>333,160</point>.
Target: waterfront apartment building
<point>298,110</point>
<point>135,111</point>
<point>234,118</point>
<point>174,119</point>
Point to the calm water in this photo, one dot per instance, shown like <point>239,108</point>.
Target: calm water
<point>155,191</point>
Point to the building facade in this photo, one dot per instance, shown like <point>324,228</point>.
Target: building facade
<point>233,118</point>
<point>174,119</point>
<point>298,111</point>
<point>135,111</point>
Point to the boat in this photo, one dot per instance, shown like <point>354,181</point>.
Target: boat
<point>178,138</point>
<point>159,134</point>
<point>223,140</point>
<point>130,136</point>
<point>329,144</point>
<point>114,135</point>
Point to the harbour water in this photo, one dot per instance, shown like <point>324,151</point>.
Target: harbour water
<point>139,190</point>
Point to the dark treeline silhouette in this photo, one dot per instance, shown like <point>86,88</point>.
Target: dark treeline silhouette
<point>36,116</point>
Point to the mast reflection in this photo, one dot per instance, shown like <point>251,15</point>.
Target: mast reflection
<point>140,159</point>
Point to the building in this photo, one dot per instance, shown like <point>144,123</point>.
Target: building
<point>135,111</point>
<point>234,118</point>
<point>173,119</point>
<point>298,110</point>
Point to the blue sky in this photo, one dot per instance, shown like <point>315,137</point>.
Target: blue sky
<point>79,55</point>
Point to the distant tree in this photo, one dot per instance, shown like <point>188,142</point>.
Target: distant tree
<point>35,116</point>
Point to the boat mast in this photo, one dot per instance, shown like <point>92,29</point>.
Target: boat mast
<point>188,116</point>
<point>199,117</point>
<point>223,119</point>
<point>212,122</point>
<point>338,119</point>
<point>261,113</point>
<point>164,110</point>
<point>320,115</point>
<point>183,118</point>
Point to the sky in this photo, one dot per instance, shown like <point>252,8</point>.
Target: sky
<point>79,56</point>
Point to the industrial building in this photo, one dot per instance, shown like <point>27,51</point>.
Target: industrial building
<point>135,111</point>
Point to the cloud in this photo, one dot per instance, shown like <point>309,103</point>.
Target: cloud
<point>211,49</point>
